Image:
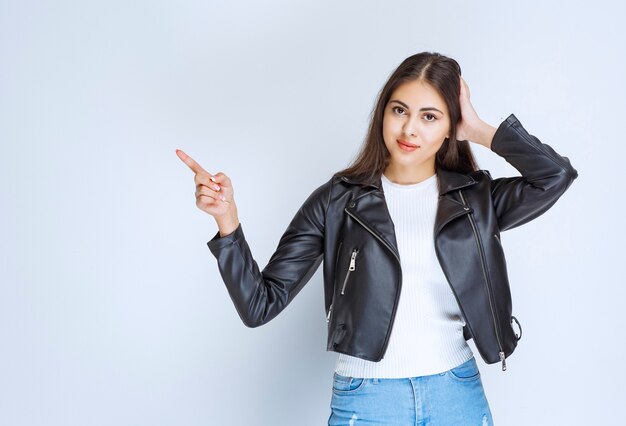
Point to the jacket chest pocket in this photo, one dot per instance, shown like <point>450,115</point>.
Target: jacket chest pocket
<point>351,268</point>
<point>344,273</point>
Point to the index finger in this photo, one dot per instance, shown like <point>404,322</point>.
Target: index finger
<point>195,167</point>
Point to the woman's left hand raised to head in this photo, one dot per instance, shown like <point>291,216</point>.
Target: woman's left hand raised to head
<point>471,127</point>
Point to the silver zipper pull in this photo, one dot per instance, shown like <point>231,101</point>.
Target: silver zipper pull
<point>352,267</point>
<point>503,361</point>
<point>329,311</point>
<point>352,261</point>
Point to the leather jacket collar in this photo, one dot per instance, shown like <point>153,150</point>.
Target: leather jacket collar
<point>449,180</point>
<point>366,207</point>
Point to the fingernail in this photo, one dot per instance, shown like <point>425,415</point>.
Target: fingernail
<point>213,179</point>
<point>217,187</point>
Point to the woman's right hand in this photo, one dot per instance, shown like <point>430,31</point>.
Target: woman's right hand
<point>214,195</point>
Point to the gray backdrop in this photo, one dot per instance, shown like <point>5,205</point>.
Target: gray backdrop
<point>112,310</point>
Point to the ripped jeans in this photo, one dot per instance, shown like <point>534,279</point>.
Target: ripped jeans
<point>454,397</point>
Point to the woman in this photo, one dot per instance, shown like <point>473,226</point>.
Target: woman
<point>410,239</point>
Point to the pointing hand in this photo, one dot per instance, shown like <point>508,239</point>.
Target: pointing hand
<point>214,193</point>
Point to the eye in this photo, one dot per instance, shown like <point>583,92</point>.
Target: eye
<point>430,115</point>
<point>396,108</point>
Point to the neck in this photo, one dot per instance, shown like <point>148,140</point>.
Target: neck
<point>408,175</point>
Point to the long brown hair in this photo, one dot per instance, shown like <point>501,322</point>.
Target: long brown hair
<point>442,73</point>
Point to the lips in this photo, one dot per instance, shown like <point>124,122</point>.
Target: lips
<point>406,146</point>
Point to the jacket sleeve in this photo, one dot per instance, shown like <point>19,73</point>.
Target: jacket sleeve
<point>259,296</point>
<point>546,175</point>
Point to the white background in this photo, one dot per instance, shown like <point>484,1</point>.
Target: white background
<point>112,309</point>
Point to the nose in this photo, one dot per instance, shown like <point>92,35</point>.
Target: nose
<point>410,127</point>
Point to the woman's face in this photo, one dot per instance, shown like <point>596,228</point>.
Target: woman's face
<point>417,115</point>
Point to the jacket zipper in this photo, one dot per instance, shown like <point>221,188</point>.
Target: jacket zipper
<point>487,284</point>
<point>351,268</point>
<point>395,303</point>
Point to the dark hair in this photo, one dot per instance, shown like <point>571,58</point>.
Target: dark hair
<point>442,73</point>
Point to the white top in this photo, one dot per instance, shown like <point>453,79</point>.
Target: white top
<point>427,334</point>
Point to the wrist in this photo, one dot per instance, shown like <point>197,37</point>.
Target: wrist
<point>227,223</point>
<point>483,134</point>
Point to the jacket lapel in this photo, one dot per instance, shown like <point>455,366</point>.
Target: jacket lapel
<point>371,210</point>
<point>450,206</point>
<point>370,207</point>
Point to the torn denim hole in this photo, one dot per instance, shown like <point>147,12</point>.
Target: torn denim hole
<point>353,419</point>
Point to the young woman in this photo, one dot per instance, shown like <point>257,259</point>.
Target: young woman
<point>410,240</point>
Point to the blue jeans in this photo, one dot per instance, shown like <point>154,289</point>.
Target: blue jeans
<point>454,397</point>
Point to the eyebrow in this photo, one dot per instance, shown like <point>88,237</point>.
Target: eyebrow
<point>421,109</point>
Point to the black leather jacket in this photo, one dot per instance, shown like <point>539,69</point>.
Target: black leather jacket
<point>347,225</point>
